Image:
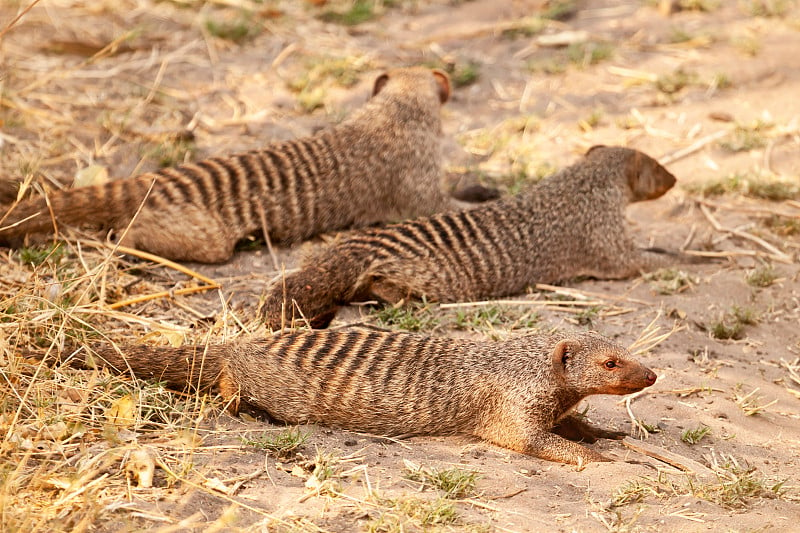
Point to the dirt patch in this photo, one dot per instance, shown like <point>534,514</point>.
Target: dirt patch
<point>131,85</point>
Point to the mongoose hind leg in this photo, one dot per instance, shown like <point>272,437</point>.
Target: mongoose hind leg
<point>475,193</point>
<point>197,236</point>
<point>574,428</point>
<point>300,298</point>
<point>387,291</point>
<point>229,391</point>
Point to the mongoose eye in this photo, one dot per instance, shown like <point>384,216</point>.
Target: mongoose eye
<point>611,364</point>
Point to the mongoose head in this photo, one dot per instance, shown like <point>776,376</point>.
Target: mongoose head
<point>409,77</point>
<point>646,178</point>
<point>592,364</point>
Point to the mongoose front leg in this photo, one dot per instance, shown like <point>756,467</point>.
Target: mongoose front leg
<point>549,446</point>
<point>634,262</point>
<point>573,427</point>
<point>649,259</point>
<point>552,447</point>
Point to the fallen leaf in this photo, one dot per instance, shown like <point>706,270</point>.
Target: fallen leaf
<point>91,175</point>
<point>122,412</point>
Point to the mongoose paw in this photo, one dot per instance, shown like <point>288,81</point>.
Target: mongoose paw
<point>675,256</point>
<point>614,435</point>
<point>570,431</point>
<point>273,320</point>
<point>476,193</point>
<point>574,428</point>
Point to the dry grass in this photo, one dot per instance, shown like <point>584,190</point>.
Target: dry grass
<point>68,435</point>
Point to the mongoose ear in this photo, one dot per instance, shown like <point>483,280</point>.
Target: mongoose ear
<point>443,80</point>
<point>380,83</point>
<point>635,177</point>
<point>595,147</point>
<point>563,353</point>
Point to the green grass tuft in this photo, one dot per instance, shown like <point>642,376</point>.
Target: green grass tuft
<point>282,444</point>
<point>699,5</point>
<point>750,184</point>
<point>488,318</point>
<point>416,316</point>
<point>731,324</point>
<point>454,482</point>
<point>586,54</point>
<point>747,137</point>
<point>560,10</point>
<point>693,436</point>
<point>36,255</point>
<point>411,514</point>
<point>766,8</point>
<point>783,226</point>
<point>671,84</point>
<point>240,29</point>
<point>359,12</point>
<point>670,281</point>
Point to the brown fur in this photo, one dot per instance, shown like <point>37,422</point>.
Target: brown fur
<point>510,392</point>
<point>570,224</point>
<point>383,164</point>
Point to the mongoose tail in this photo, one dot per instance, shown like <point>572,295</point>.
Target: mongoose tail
<point>313,295</point>
<point>187,367</point>
<point>110,204</point>
<point>513,393</point>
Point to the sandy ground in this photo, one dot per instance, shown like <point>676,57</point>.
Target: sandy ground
<point>661,83</point>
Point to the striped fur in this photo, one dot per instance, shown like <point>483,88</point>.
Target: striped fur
<point>511,393</point>
<point>570,224</point>
<point>382,164</point>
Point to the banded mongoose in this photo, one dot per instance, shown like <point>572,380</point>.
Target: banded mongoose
<point>511,392</point>
<point>569,224</point>
<point>382,164</point>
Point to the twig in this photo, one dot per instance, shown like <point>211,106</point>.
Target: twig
<point>775,253</point>
<point>159,260</point>
<point>161,294</point>
<point>649,337</point>
<point>640,75</point>
<point>768,156</point>
<point>507,496</point>
<point>477,503</point>
<point>692,148</point>
<point>747,209</point>
<point>543,303</point>
<point>635,421</point>
<point>265,230</point>
<point>680,462</point>
<point>17,18</point>
<point>689,238</point>
<point>586,294</point>
<point>209,283</point>
<point>727,253</point>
